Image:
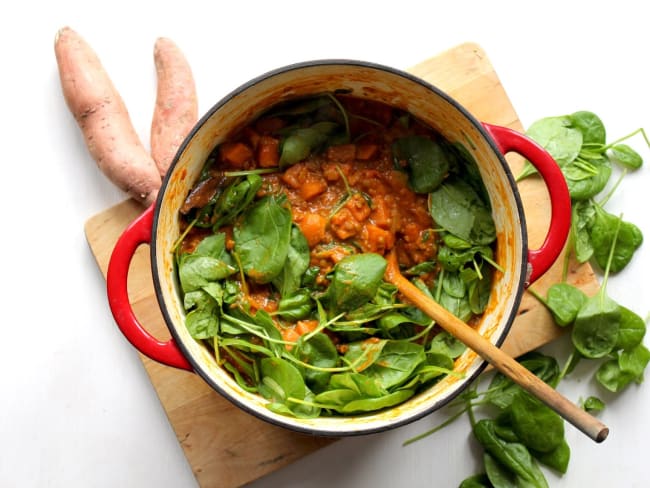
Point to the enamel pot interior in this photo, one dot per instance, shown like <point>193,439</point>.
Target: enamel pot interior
<point>379,83</point>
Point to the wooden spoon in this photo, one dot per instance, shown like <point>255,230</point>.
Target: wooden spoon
<point>495,356</point>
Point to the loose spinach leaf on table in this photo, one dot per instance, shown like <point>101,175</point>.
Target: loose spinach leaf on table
<point>628,239</point>
<point>513,456</point>
<point>595,330</point>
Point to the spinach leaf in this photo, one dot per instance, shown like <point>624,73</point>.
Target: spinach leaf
<point>355,281</point>
<point>203,322</point>
<point>512,455</point>
<point>626,156</point>
<point>280,380</point>
<point>296,306</point>
<point>583,213</point>
<point>555,134</point>
<point>502,390</point>
<point>395,363</point>
<point>363,354</point>
<point>498,475</point>
<point>586,180</point>
<point>427,162</point>
<point>593,404</point>
<point>563,301</point>
<point>631,330</point>
<point>536,425</point>
<point>558,458</point>
<point>445,343</point>
<point>357,382</point>
<point>262,239</point>
<point>376,403</point>
<point>300,143</point>
<point>318,351</point>
<point>296,264</point>
<point>476,481</point>
<point>456,207</point>
<point>234,199</point>
<point>590,126</point>
<point>628,239</point>
<point>629,366</point>
<point>208,263</point>
<point>595,330</point>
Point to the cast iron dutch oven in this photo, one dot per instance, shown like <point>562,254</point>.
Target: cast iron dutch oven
<point>158,227</point>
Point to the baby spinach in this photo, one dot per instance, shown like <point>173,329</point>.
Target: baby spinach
<point>456,207</point>
<point>631,330</point>
<point>296,306</point>
<point>502,390</point>
<point>513,456</point>
<point>563,301</point>
<point>355,281</point>
<point>235,199</point>
<point>626,367</point>
<point>395,363</point>
<point>319,351</point>
<point>476,481</point>
<point>557,135</point>
<point>626,156</point>
<point>263,238</point>
<point>535,424</point>
<point>590,126</point>
<point>595,330</point>
<point>208,263</point>
<point>376,403</point>
<point>296,264</point>
<point>302,141</point>
<point>628,239</point>
<point>557,459</point>
<point>427,161</point>
<point>593,404</point>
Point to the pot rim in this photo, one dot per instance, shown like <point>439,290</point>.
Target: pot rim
<point>391,424</point>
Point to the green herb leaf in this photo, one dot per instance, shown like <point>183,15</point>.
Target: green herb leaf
<point>262,239</point>
<point>427,162</point>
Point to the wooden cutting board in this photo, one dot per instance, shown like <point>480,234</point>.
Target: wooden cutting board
<point>215,435</point>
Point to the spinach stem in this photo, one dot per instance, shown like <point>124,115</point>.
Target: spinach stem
<point>437,428</point>
<point>604,201</point>
<point>322,325</point>
<point>609,259</point>
<point>537,296</point>
<point>343,113</point>
<point>567,365</point>
<point>631,134</point>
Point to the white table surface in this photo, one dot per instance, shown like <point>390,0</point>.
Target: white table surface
<point>77,407</point>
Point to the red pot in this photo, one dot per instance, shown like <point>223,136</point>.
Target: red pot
<point>158,227</point>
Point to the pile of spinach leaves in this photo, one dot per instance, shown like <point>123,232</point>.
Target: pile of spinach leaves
<point>368,350</point>
<point>519,433</point>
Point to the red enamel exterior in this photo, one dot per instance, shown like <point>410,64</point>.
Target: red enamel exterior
<point>136,234</point>
<point>540,260</point>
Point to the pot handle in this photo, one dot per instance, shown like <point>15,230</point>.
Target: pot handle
<point>137,233</point>
<point>540,260</point>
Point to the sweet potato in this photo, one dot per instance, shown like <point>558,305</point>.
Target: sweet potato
<point>176,109</point>
<point>103,118</point>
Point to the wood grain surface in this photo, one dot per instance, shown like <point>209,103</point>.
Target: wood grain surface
<point>227,447</point>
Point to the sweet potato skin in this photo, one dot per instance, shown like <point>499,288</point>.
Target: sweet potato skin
<point>103,118</point>
<point>176,109</point>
